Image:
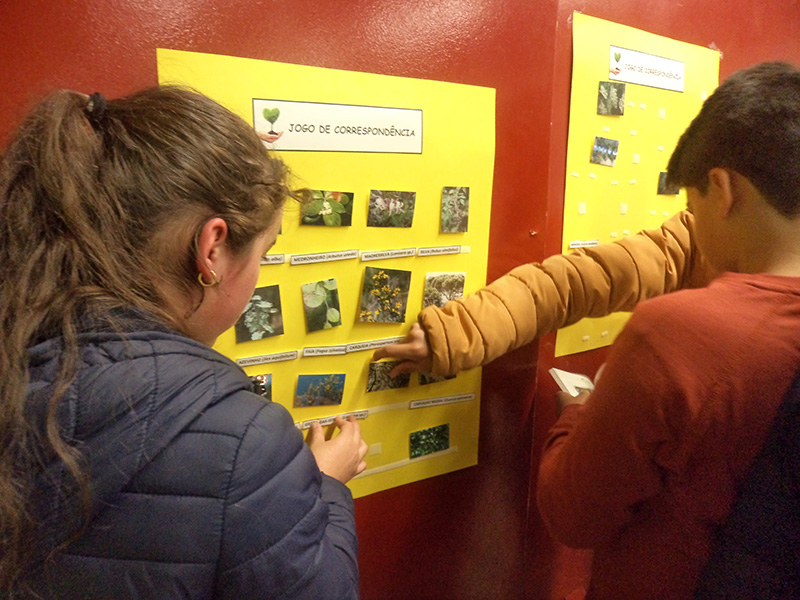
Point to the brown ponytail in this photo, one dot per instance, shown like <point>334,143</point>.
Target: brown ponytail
<point>99,211</point>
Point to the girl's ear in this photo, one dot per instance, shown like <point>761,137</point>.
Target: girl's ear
<point>210,243</point>
<point>721,190</point>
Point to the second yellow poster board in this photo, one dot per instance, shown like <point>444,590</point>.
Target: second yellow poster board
<point>617,70</point>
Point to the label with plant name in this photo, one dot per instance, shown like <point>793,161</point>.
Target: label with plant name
<point>439,250</point>
<point>301,259</point>
<point>584,243</point>
<point>373,344</point>
<point>273,259</point>
<point>379,254</point>
<point>441,400</point>
<point>266,358</point>
<point>324,421</point>
<point>324,350</point>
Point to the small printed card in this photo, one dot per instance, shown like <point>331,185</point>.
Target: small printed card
<point>572,383</point>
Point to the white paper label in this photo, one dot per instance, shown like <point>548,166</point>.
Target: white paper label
<point>302,259</point>
<point>273,259</point>
<point>266,358</point>
<point>439,250</point>
<point>441,400</point>
<point>380,254</point>
<point>372,345</point>
<point>291,125</point>
<point>645,69</point>
<point>583,243</point>
<point>324,350</point>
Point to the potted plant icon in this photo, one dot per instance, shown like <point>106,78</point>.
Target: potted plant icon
<point>616,70</point>
<point>271,115</point>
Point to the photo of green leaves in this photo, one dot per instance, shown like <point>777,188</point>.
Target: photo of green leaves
<point>428,441</point>
<point>319,390</point>
<point>329,209</point>
<point>378,377</point>
<point>384,295</point>
<point>440,288</point>
<point>321,304</point>
<point>391,209</point>
<point>262,316</point>
<point>455,209</point>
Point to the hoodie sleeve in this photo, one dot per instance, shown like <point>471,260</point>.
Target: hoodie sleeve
<point>289,531</point>
<point>539,298</point>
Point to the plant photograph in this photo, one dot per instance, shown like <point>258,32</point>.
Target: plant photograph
<point>262,316</point>
<point>425,379</point>
<point>321,305</point>
<point>604,151</point>
<point>319,390</point>
<point>329,209</point>
<point>384,295</point>
<point>378,377</point>
<point>428,441</point>
<point>262,385</point>
<point>455,209</point>
<point>663,188</point>
<point>611,98</point>
<point>440,288</point>
<point>391,209</point>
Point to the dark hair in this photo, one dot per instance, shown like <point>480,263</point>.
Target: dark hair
<point>751,125</point>
<point>101,203</point>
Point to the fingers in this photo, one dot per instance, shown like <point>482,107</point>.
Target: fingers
<point>413,346</point>
<point>407,366</point>
<point>399,350</point>
<point>315,434</point>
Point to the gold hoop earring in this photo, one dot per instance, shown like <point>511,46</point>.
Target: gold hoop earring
<point>214,281</point>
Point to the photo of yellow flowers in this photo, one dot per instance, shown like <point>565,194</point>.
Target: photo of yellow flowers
<point>384,295</point>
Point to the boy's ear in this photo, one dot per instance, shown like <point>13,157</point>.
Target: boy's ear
<point>721,190</point>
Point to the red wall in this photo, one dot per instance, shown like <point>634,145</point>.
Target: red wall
<point>473,533</point>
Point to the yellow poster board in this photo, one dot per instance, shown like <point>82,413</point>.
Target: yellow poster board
<point>445,148</point>
<point>658,85</point>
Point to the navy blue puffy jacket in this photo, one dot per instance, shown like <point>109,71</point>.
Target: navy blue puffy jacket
<point>201,488</point>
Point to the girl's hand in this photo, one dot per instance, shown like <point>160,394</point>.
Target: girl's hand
<point>342,456</point>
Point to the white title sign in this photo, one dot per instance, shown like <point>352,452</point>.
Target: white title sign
<point>645,69</point>
<point>289,125</point>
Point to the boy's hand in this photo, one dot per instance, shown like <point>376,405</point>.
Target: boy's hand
<point>342,456</point>
<point>565,399</point>
<point>414,352</point>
